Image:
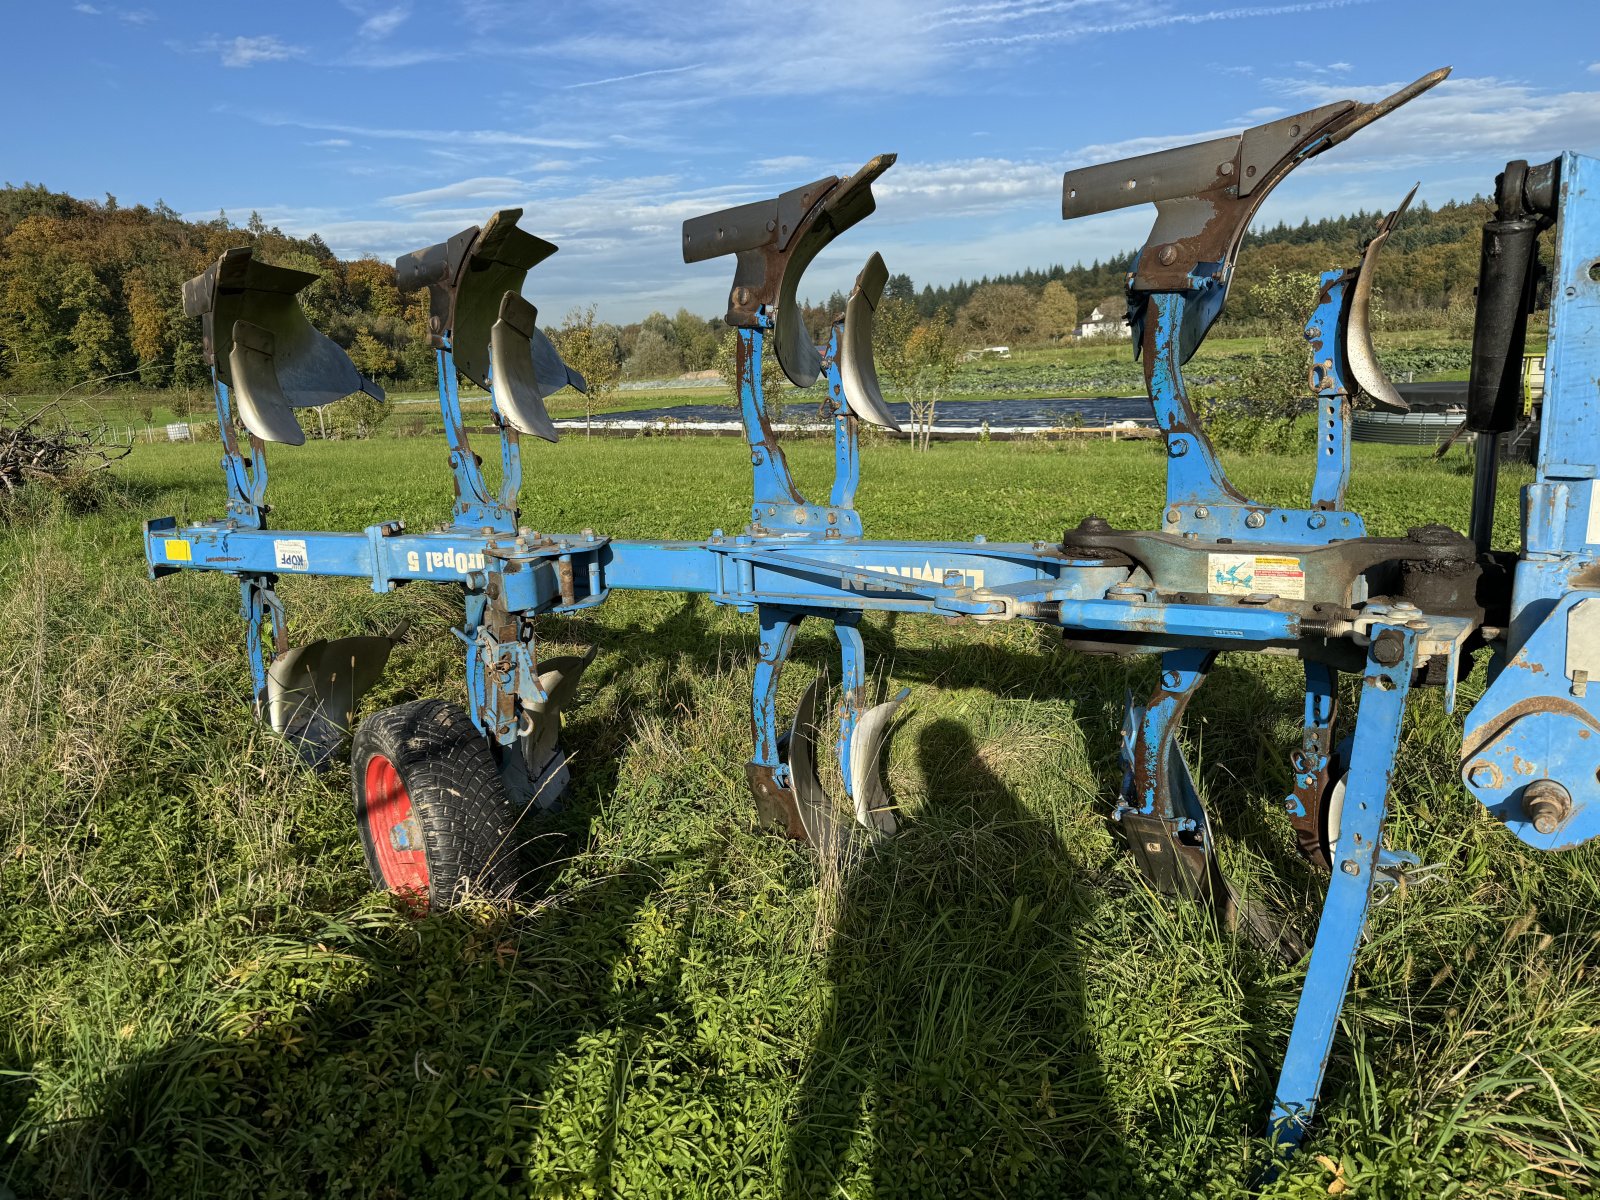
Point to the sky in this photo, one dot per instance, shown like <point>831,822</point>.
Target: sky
<point>385,125</point>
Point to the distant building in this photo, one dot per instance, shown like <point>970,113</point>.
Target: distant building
<point>1100,325</point>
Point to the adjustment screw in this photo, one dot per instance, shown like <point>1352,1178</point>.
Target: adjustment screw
<point>1547,805</point>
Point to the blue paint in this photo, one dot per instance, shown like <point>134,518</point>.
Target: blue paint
<point>1344,911</point>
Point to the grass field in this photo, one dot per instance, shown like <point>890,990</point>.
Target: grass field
<point>201,996</point>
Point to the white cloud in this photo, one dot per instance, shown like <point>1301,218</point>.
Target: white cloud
<point>784,164</point>
<point>966,187</point>
<point>645,45</point>
<point>376,58</point>
<point>247,51</point>
<point>332,142</point>
<point>587,83</point>
<point>1134,17</point>
<point>129,16</point>
<point>464,138</point>
<point>384,22</point>
<point>485,189</point>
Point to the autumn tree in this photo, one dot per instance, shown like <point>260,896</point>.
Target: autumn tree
<point>697,340</point>
<point>372,358</point>
<point>1056,313</point>
<point>653,357</point>
<point>358,415</point>
<point>917,359</point>
<point>999,314</point>
<point>1257,407</point>
<point>590,349</point>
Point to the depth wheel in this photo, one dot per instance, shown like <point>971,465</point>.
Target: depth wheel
<point>431,807</point>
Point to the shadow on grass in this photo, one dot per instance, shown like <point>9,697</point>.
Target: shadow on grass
<point>953,1057</point>
<point>456,1056</point>
<point>376,1056</point>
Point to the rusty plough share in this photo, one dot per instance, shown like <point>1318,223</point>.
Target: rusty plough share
<point>438,790</point>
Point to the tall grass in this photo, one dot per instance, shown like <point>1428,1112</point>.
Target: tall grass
<point>199,994</point>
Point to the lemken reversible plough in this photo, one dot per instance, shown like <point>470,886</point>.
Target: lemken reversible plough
<point>439,791</point>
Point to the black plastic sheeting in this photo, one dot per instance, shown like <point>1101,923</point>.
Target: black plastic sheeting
<point>1023,414</point>
<point>1026,414</point>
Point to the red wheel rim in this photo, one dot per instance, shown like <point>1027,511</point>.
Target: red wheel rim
<point>395,831</point>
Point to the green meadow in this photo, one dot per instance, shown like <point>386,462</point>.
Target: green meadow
<point>201,995</point>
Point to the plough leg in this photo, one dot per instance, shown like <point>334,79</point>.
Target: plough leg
<point>1356,858</point>
<point>768,773</point>
<point>784,780</point>
<point>260,607</point>
<point>1163,818</point>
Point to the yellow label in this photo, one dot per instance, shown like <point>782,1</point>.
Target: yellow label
<point>178,550</point>
<point>1256,574</point>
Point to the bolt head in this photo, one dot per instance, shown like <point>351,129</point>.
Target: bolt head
<point>1255,520</point>
<point>1350,867</point>
<point>1389,647</point>
<point>1317,521</point>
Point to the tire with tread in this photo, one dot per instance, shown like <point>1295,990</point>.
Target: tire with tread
<point>461,813</point>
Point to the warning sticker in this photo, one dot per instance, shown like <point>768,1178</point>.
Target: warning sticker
<point>1255,574</point>
<point>290,554</point>
<point>177,550</point>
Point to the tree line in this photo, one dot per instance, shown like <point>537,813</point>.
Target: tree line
<point>91,290</point>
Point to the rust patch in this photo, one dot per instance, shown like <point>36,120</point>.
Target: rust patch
<point>775,804</point>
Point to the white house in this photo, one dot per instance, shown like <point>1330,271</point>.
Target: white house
<point>1100,325</point>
